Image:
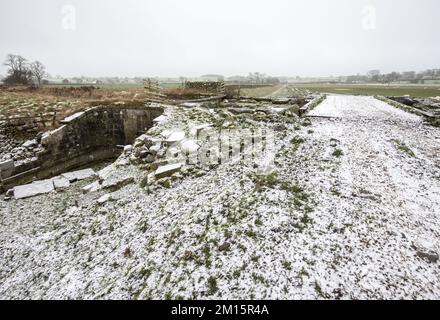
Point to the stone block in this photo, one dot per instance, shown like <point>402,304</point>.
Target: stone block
<point>168,170</point>
<point>61,183</point>
<point>6,168</point>
<point>33,189</point>
<point>176,136</point>
<point>79,175</point>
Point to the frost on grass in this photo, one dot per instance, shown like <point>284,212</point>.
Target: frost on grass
<point>317,224</point>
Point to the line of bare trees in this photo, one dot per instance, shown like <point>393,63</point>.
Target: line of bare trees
<point>23,72</point>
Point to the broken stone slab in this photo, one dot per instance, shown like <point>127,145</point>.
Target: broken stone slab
<point>189,146</point>
<point>53,136</point>
<point>117,183</point>
<point>72,117</point>
<point>168,170</point>
<point>93,187</point>
<point>113,180</point>
<point>155,149</point>
<point>79,175</point>
<point>190,104</point>
<point>128,149</point>
<point>61,182</point>
<point>160,119</point>
<point>197,129</point>
<point>33,189</point>
<point>105,198</point>
<point>176,136</point>
<point>30,144</point>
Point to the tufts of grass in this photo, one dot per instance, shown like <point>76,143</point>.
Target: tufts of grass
<point>287,265</point>
<point>296,142</point>
<point>338,153</point>
<point>212,286</point>
<point>404,148</point>
<point>269,180</point>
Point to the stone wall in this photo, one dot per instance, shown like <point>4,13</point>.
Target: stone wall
<point>93,135</point>
<point>214,87</point>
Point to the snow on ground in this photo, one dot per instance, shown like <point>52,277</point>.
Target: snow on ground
<point>349,212</point>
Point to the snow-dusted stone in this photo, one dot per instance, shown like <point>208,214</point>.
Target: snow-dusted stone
<point>166,133</point>
<point>197,129</point>
<point>426,250</point>
<point>176,136</point>
<point>93,187</point>
<point>33,189</point>
<point>105,198</point>
<point>189,147</point>
<point>145,140</point>
<point>7,166</point>
<point>72,117</point>
<point>160,119</point>
<point>190,104</point>
<point>168,170</point>
<point>155,149</point>
<point>79,175</point>
<point>61,183</point>
<point>128,148</point>
<point>30,144</point>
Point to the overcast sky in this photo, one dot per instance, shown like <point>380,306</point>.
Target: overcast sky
<point>230,37</point>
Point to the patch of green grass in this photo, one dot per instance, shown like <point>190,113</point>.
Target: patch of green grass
<point>258,278</point>
<point>338,153</point>
<point>207,255</point>
<point>268,180</point>
<point>251,234</point>
<point>305,219</point>
<point>296,142</point>
<point>236,274</point>
<point>287,265</point>
<point>303,273</point>
<point>212,286</point>
<point>306,123</point>
<point>258,222</point>
<point>404,148</point>
<point>145,273</point>
<point>168,296</point>
<point>318,289</point>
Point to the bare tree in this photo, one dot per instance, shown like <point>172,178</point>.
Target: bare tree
<point>19,72</point>
<point>38,71</point>
<point>16,63</point>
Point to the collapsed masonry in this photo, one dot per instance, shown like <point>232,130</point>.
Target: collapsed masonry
<point>101,132</point>
<point>85,137</point>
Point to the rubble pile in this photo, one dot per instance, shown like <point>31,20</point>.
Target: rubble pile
<point>19,143</point>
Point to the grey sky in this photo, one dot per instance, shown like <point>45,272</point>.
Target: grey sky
<point>194,37</point>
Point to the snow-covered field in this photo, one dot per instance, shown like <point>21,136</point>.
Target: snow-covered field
<point>350,211</point>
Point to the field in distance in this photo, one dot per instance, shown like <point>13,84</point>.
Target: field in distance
<point>373,89</point>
